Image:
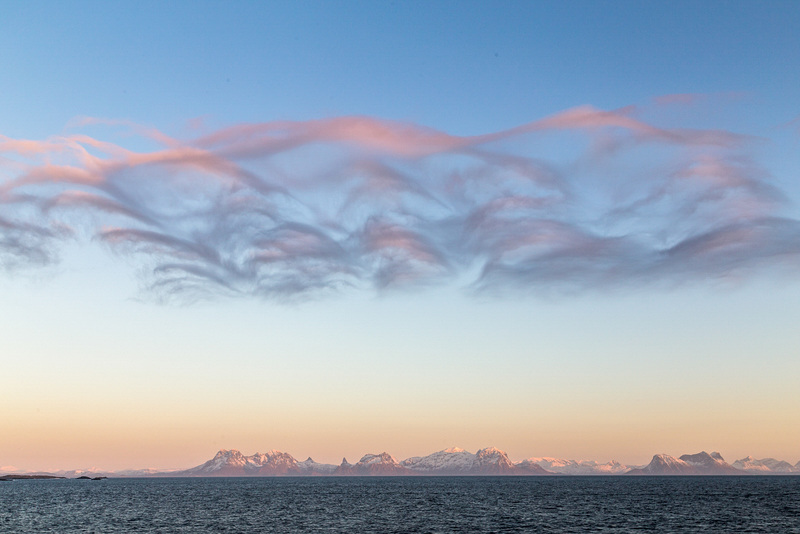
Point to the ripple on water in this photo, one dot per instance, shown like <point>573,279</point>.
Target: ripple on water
<point>412,504</point>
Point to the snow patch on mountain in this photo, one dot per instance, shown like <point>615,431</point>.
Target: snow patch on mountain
<point>580,467</point>
<point>765,466</point>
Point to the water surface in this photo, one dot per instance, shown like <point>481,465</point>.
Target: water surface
<point>407,504</point>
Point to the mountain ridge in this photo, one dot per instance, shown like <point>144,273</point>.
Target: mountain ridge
<point>701,463</point>
<point>452,461</point>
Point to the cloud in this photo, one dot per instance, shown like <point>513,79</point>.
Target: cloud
<point>24,245</point>
<point>286,210</point>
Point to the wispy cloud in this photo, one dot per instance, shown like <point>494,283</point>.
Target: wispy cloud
<point>282,210</point>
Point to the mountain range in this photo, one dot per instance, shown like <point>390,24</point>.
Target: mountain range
<point>453,461</point>
<point>489,461</point>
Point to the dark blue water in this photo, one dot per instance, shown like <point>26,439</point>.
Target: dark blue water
<point>413,504</point>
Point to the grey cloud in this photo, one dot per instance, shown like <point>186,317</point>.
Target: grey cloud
<point>294,210</point>
<point>24,245</point>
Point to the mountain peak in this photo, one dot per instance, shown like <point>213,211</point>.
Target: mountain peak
<point>382,458</point>
<point>664,464</point>
<point>701,463</point>
<point>492,460</point>
<point>227,453</point>
<point>702,458</point>
<point>665,459</point>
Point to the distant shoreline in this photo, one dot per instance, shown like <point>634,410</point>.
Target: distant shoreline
<point>8,478</point>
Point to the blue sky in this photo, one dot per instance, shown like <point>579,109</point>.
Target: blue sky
<point>653,131</point>
<point>464,67</point>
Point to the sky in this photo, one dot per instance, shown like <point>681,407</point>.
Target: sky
<point>565,229</point>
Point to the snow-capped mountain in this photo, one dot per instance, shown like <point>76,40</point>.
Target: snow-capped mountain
<point>310,467</point>
<point>272,463</point>
<point>701,463</point>
<point>492,461</point>
<point>455,461</point>
<point>224,463</point>
<point>765,466</point>
<point>382,464</point>
<point>579,467</point>
<point>664,464</point>
<point>448,461</point>
<point>710,464</point>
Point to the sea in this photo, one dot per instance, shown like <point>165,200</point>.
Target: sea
<point>618,504</point>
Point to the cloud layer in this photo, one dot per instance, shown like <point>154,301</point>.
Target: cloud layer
<point>581,200</point>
